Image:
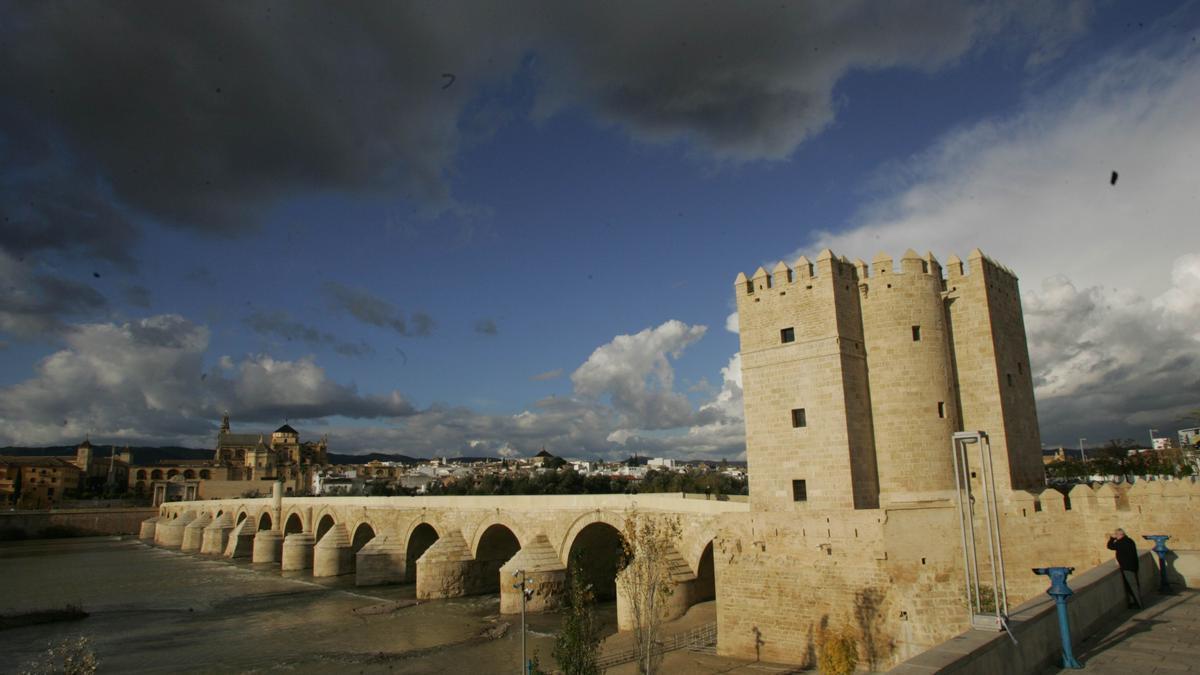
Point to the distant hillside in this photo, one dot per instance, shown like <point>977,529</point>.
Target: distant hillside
<point>340,458</point>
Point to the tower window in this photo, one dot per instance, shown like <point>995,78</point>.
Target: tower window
<point>916,333</point>
<point>787,335</point>
<point>798,419</point>
<point>799,491</point>
<point>942,409</point>
<point>750,287</point>
<point>1009,375</point>
<point>1019,368</point>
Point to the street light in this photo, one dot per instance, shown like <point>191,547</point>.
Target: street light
<point>1082,456</point>
<point>526,593</point>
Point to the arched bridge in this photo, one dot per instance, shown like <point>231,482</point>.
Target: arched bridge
<point>452,546</point>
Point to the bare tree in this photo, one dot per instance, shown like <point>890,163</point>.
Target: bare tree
<point>645,579</point>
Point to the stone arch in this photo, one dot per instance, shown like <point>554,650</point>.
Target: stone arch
<point>597,516</point>
<point>141,474</point>
<point>696,543</point>
<point>705,587</point>
<point>364,533</point>
<point>264,521</point>
<point>188,473</point>
<point>323,524</point>
<point>294,523</point>
<point>156,474</point>
<point>497,544</point>
<point>171,473</point>
<point>205,474</point>
<point>490,521</point>
<point>419,538</point>
<point>596,544</point>
<point>242,516</point>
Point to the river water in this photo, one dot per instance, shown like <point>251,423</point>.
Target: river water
<point>156,610</point>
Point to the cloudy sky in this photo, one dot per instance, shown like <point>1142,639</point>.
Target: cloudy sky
<point>481,228</point>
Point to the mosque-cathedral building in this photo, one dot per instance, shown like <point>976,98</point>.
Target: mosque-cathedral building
<point>242,464</point>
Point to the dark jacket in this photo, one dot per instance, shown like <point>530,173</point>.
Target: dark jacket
<point>1127,555</point>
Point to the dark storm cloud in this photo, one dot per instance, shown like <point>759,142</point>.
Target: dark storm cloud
<point>281,324</point>
<point>376,311</point>
<point>205,115</point>
<point>34,303</point>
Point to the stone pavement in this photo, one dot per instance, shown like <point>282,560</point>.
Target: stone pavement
<point>1162,638</point>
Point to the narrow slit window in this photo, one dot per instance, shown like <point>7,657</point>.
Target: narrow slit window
<point>798,418</point>
<point>787,335</point>
<point>799,491</point>
<point>1009,375</point>
<point>916,333</point>
<point>942,409</point>
<point>750,287</point>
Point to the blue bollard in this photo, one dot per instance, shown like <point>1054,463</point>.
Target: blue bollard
<point>1060,592</point>
<point>1161,550</point>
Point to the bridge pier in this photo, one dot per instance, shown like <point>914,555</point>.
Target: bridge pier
<point>268,547</point>
<point>216,535</point>
<point>544,574</point>
<point>146,532</point>
<point>241,540</point>
<point>382,561</point>
<point>298,551</point>
<point>170,533</point>
<point>448,570</point>
<point>685,593</point>
<point>333,555</point>
<point>193,533</point>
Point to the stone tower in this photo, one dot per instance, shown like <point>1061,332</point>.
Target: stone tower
<point>855,378</point>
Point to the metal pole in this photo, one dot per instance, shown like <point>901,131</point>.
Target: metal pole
<point>1000,592</point>
<point>524,657</point>
<point>1060,592</point>
<point>1161,550</point>
<point>1082,456</point>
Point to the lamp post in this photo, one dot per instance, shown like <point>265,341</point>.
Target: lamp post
<point>525,594</point>
<point>1082,456</point>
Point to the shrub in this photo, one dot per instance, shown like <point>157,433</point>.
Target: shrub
<point>837,651</point>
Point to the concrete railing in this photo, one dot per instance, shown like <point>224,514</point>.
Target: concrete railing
<point>1099,596</point>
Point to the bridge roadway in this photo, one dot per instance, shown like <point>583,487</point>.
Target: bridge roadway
<point>453,546</point>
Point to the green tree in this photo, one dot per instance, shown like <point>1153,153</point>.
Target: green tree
<point>645,580</point>
<point>577,644</point>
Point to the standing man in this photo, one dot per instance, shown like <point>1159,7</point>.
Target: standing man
<point>1127,559</point>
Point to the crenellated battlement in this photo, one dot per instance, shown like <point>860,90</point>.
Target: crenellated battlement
<point>882,264</point>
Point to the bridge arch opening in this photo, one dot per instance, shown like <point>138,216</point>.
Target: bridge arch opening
<point>362,534</point>
<point>497,546</point>
<point>264,521</point>
<point>323,525</point>
<point>240,518</point>
<point>597,551</point>
<point>294,524</point>
<point>706,578</point>
<point>419,541</point>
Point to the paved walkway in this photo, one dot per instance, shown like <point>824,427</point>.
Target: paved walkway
<point>1162,638</point>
